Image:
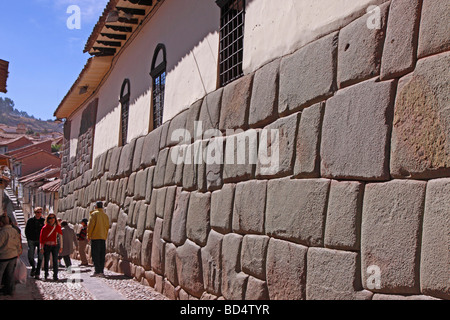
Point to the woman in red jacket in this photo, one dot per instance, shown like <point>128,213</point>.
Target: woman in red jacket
<point>49,244</point>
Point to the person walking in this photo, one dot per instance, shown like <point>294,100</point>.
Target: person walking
<point>32,233</point>
<point>10,250</point>
<point>82,242</point>
<point>49,244</point>
<point>97,231</point>
<point>68,240</point>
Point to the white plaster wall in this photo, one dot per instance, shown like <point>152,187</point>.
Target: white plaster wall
<point>189,30</point>
<point>75,131</point>
<point>276,28</point>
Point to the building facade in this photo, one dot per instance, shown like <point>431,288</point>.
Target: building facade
<point>328,125</point>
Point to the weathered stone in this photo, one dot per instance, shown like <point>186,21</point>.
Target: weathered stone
<point>296,210</point>
<point>342,230</point>
<point>112,210</point>
<point>264,102</point>
<point>175,159</point>
<point>129,235</point>
<point>286,270</point>
<point>400,47</point>
<point>150,148</point>
<point>191,119</point>
<point>233,280</point>
<point>222,208</point>
<point>253,259</point>
<point>164,133</point>
<point>126,159</point>
<point>256,289</point>
<point>235,104</point>
<point>434,258</point>
<point>178,229</point>
<point>191,160</point>
<point>197,223</point>
<point>170,269</point>
<point>136,164</point>
<point>433,35</point>
<point>249,207</point>
<point>334,275</point>
<point>307,159</point>
<point>140,184</point>
<point>120,234</point>
<point>212,263</point>
<point>397,297</point>
<point>114,163</point>
<point>314,65</point>
<point>210,112</point>
<point>141,216</point>
<point>213,156</point>
<point>169,203</point>
<point>201,167</point>
<point>282,148</point>
<point>390,235</point>
<point>160,170</point>
<point>356,132</point>
<point>136,248</point>
<point>421,131</point>
<point>146,250</point>
<point>361,47</point>
<point>149,187</point>
<point>241,156</point>
<point>176,133</point>
<point>158,248</point>
<point>189,268</point>
<point>131,184</point>
<point>160,202</point>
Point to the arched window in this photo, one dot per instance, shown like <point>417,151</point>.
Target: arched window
<point>158,74</point>
<point>125,106</point>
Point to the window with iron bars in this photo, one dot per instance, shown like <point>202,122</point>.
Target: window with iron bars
<point>231,40</point>
<point>158,74</point>
<point>125,106</point>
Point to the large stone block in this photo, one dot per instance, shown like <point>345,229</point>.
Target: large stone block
<point>356,132</point>
<point>256,289</point>
<point>170,268</point>
<point>241,156</point>
<point>136,165</point>
<point>286,270</point>
<point>191,119</point>
<point>212,263</point>
<point>171,195</point>
<point>233,280</point>
<point>361,47</point>
<point>160,170</point>
<point>434,258</point>
<point>309,75</point>
<point>296,210</point>
<point>114,163</point>
<point>146,250</point>
<point>249,207</point>
<point>400,47</point>
<point>282,148</point>
<point>334,275</point>
<point>126,159</point>
<point>307,158</point>
<point>214,158</point>
<point>390,235</point>
<point>209,116</point>
<point>150,148</point>
<point>158,248</point>
<point>264,101</point>
<point>343,224</point>
<point>197,223</point>
<point>192,157</point>
<point>222,208</point>
<point>176,131</point>
<point>178,229</point>
<point>253,259</point>
<point>421,131</point>
<point>140,184</point>
<point>434,36</point>
<point>189,268</point>
<point>236,103</point>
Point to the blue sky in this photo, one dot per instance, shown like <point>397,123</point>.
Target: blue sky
<point>45,56</point>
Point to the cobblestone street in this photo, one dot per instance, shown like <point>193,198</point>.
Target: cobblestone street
<point>78,284</point>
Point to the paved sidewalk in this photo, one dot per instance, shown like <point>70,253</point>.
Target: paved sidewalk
<point>78,283</point>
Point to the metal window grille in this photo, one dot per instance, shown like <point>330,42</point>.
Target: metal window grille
<point>159,85</point>
<point>231,40</point>
<point>125,106</point>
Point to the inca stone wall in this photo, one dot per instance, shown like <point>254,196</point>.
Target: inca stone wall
<point>358,206</point>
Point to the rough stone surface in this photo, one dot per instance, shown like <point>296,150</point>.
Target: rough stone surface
<point>256,289</point>
<point>214,155</point>
<point>210,111</point>
<point>356,131</point>
<point>434,263</point>
<point>150,148</point>
<point>241,153</point>
<point>136,165</point>
<point>170,268</point>
<point>390,235</point>
<point>126,159</point>
<point>235,104</point>
<point>212,263</point>
<point>343,224</point>
<point>190,169</point>
<point>178,229</point>
<point>296,210</point>
<point>146,250</point>
<point>233,280</point>
<point>192,117</point>
<point>189,268</point>
<point>361,48</point>
<point>222,208</point>
<point>264,101</point>
<point>140,184</point>
<point>283,148</point>
<point>253,258</point>
<point>171,195</point>
<point>307,158</point>
<point>197,223</point>
<point>286,270</point>
<point>434,36</point>
<point>334,275</point>
<point>114,164</point>
<point>158,248</point>
<point>174,135</point>
<point>160,170</point>
<point>421,131</point>
<point>400,47</point>
<point>314,65</point>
